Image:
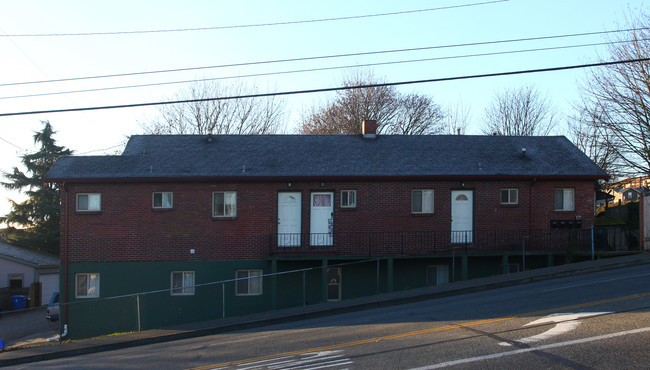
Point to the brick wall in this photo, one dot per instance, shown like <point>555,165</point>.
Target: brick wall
<point>128,229</point>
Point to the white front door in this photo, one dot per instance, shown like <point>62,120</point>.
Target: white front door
<point>462,216</point>
<point>322,219</point>
<point>289,219</point>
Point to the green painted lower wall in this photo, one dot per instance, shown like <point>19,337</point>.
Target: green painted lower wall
<point>154,306</point>
<point>136,296</point>
<point>301,287</point>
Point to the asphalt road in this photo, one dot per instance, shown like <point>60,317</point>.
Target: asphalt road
<point>594,321</point>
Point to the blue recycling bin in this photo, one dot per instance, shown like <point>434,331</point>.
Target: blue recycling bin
<point>19,302</point>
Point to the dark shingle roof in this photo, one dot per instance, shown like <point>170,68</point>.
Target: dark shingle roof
<point>26,256</point>
<point>638,190</point>
<point>316,156</point>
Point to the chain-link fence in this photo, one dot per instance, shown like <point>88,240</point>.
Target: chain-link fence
<point>187,302</point>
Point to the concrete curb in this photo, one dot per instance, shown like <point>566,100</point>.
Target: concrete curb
<point>308,312</point>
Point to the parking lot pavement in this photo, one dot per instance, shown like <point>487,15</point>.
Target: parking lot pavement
<point>28,327</point>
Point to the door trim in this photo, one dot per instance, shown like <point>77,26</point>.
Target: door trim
<point>462,236</point>
<point>291,239</point>
<point>321,238</point>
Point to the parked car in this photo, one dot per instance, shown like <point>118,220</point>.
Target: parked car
<point>53,308</point>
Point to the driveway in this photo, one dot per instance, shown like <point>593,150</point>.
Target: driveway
<point>27,328</point>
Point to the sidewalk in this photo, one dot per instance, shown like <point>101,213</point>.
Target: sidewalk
<point>101,344</point>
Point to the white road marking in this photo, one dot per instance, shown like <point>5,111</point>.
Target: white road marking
<point>558,329</point>
<point>565,323</point>
<point>539,348</point>
<point>312,360</point>
<point>560,317</point>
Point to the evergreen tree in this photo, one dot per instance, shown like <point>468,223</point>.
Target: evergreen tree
<point>34,223</point>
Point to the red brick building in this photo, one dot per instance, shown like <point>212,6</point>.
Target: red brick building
<point>363,214</point>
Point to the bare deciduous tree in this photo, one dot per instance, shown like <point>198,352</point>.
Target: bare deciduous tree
<point>457,119</point>
<point>616,98</point>
<point>410,114</point>
<point>519,112</point>
<point>233,116</point>
<point>594,142</point>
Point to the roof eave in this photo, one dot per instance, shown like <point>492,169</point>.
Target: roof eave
<point>19,260</point>
<point>320,178</point>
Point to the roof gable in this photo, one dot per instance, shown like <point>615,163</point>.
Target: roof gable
<point>323,156</point>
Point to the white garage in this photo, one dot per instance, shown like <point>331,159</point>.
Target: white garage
<point>49,285</point>
<point>22,267</point>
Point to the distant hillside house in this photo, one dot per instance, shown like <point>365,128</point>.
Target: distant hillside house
<point>619,190</point>
<point>355,214</point>
<point>632,182</point>
<point>633,194</point>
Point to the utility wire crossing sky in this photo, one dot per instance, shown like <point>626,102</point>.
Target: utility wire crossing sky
<point>60,60</point>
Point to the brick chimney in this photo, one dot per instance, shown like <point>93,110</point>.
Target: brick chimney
<point>369,129</point>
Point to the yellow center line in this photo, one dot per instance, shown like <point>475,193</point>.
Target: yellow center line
<point>419,332</point>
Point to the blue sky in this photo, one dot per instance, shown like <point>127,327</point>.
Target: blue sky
<point>24,59</point>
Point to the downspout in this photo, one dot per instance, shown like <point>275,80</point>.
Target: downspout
<point>66,228</point>
<point>530,206</point>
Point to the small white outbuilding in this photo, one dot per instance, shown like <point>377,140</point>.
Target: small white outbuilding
<point>20,268</point>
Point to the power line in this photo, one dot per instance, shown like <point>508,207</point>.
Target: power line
<point>330,89</point>
<point>259,24</point>
<point>320,69</point>
<point>101,150</point>
<point>343,55</point>
<point>14,145</point>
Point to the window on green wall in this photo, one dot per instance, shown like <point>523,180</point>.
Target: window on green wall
<point>437,274</point>
<point>87,285</point>
<point>249,282</point>
<point>182,283</point>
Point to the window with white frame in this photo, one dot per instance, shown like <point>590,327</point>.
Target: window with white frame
<point>90,202</point>
<point>422,201</point>
<point>509,196</point>
<point>564,199</point>
<point>87,285</point>
<point>249,282</point>
<point>182,283</point>
<point>348,198</point>
<point>224,204</point>
<point>163,199</point>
